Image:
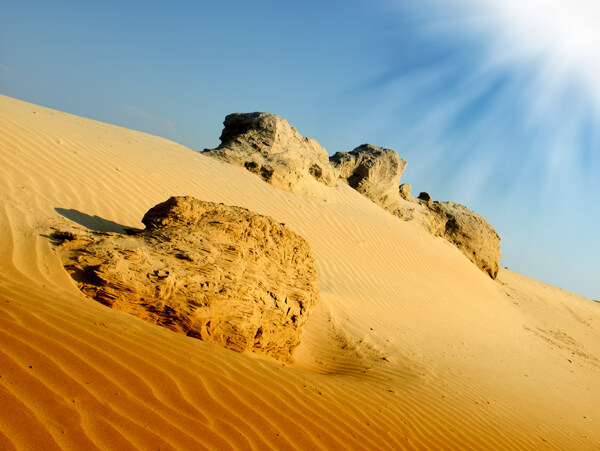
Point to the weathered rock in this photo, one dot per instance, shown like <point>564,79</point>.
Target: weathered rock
<point>467,230</point>
<point>411,209</point>
<point>268,146</point>
<point>222,274</point>
<point>423,213</point>
<point>404,191</point>
<point>425,197</point>
<point>473,235</point>
<point>374,172</point>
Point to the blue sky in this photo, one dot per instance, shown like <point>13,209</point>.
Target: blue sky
<point>493,103</point>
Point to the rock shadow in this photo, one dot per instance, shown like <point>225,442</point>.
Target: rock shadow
<point>95,223</point>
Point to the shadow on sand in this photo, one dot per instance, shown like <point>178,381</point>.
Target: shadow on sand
<point>95,223</point>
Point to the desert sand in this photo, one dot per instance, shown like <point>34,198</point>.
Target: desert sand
<point>410,345</point>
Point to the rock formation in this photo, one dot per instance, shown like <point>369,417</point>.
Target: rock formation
<point>222,274</point>
<point>404,191</point>
<point>268,146</point>
<point>372,171</point>
<point>375,172</point>
<point>467,230</point>
<point>473,235</point>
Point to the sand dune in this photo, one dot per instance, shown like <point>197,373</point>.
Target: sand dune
<point>411,346</point>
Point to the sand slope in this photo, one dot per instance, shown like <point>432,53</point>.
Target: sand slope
<point>411,345</point>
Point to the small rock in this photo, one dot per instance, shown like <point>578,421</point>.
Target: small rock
<point>404,191</point>
<point>425,196</point>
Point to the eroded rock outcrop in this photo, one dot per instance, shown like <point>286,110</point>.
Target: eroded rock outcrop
<point>222,274</point>
<point>473,235</point>
<point>268,146</point>
<point>374,172</point>
<point>467,230</point>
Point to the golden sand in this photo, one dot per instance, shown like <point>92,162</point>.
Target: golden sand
<point>411,345</point>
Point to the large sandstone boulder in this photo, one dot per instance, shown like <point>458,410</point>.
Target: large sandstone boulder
<point>374,172</point>
<point>268,146</point>
<point>222,274</point>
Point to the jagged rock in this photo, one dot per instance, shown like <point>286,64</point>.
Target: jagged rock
<point>423,213</point>
<point>473,235</point>
<point>222,274</point>
<point>268,146</point>
<point>404,191</point>
<point>467,230</point>
<point>374,172</point>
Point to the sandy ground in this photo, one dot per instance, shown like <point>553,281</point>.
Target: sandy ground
<point>410,347</point>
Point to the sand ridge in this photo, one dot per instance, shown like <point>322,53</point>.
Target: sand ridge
<point>410,347</point>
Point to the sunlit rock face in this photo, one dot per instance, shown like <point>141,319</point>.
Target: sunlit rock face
<point>268,146</point>
<point>222,274</point>
<point>467,230</point>
<point>473,235</point>
<point>372,171</point>
<point>375,172</point>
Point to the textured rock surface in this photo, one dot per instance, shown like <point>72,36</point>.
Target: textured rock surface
<point>467,230</point>
<point>473,235</point>
<point>374,172</point>
<point>404,191</point>
<point>222,274</point>
<point>268,146</point>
